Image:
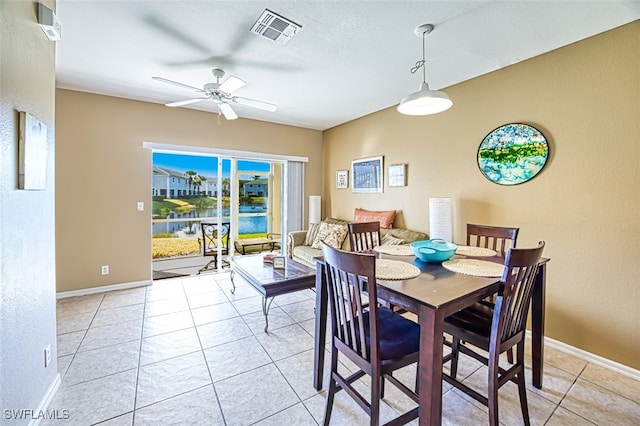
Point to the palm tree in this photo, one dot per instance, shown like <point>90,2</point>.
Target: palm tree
<point>189,174</point>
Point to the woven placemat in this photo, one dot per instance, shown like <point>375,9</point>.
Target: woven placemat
<point>475,267</point>
<point>397,250</point>
<point>391,270</point>
<point>475,251</point>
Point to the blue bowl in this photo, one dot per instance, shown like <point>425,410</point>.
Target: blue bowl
<point>435,250</point>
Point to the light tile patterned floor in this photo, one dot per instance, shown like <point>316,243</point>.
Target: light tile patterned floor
<point>187,351</point>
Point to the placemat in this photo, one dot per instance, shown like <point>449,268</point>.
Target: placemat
<point>475,251</point>
<point>390,270</point>
<point>397,250</point>
<point>478,268</point>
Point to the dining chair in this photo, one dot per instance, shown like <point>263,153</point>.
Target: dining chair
<point>209,243</point>
<point>375,338</point>
<point>495,330</point>
<point>364,236</point>
<point>496,238</point>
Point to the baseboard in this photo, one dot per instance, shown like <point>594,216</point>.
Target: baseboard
<point>592,358</point>
<point>102,289</point>
<point>44,403</point>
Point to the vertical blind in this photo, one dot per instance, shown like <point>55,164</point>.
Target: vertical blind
<point>293,207</point>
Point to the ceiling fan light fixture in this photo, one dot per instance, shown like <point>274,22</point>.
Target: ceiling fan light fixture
<point>425,101</point>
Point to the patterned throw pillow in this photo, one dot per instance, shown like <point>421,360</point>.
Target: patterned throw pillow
<point>311,233</point>
<point>390,240</point>
<point>332,234</point>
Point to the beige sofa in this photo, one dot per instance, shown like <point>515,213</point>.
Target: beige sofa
<point>304,253</point>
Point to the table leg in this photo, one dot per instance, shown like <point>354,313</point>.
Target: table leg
<point>320,326</point>
<point>233,283</point>
<point>266,305</point>
<point>537,325</point>
<point>430,365</point>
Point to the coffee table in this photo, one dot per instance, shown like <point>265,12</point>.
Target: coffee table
<point>270,282</point>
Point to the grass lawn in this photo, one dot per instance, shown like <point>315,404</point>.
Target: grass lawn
<point>174,247</point>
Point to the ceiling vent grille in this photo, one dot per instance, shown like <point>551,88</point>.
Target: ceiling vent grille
<point>275,27</point>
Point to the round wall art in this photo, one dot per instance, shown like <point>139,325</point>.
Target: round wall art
<point>512,154</point>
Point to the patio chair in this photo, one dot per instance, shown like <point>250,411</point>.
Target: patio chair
<point>209,238</point>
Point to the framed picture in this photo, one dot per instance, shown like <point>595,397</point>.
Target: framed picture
<point>342,179</point>
<point>397,175</point>
<point>32,153</point>
<point>279,262</point>
<point>367,175</point>
<point>512,154</point>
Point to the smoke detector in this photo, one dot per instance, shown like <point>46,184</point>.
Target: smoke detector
<point>275,27</point>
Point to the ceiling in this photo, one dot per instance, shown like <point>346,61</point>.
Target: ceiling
<point>349,59</point>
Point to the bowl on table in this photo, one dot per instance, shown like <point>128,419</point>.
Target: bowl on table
<point>434,250</point>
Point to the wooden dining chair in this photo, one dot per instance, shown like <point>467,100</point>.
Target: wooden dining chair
<point>375,338</point>
<point>364,236</point>
<point>496,330</point>
<point>497,238</point>
<point>209,243</point>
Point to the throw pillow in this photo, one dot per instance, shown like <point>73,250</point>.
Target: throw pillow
<point>332,234</point>
<point>385,217</point>
<point>311,233</point>
<point>390,240</point>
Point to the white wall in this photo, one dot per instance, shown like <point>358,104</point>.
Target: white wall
<point>27,229</point>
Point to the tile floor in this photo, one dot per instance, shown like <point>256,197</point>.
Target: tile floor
<point>186,351</point>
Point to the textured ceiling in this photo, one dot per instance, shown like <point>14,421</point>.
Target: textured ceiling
<point>350,58</point>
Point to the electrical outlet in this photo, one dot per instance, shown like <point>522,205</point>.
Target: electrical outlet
<point>105,269</point>
<point>47,356</point>
<point>140,206</point>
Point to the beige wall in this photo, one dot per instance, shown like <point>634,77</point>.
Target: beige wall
<point>27,240</point>
<point>103,171</point>
<point>585,204</point>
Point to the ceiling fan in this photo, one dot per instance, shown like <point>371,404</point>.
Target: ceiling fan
<point>220,93</point>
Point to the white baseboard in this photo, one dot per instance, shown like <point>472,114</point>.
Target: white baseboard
<point>103,289</point>
<point>46,400</point>
<point>590,357</point>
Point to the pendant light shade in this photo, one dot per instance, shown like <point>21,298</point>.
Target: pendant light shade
<point>425,101</point>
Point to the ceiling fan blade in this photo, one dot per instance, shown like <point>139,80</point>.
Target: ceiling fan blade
<point>175,83</point>
<point>231,84</point>
<point>185,102</point>
<point>255,104</point>
<point>227,111</point>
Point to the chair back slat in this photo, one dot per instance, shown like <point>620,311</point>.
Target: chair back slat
<point>364,236</point>
<point>514,295</point>
<point>348,275</point>
<point>497,238</point>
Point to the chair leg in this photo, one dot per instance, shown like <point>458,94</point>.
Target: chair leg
<point>492,397</point>
<point>376,387</point>
<point>333,387</point>
<point>455,351</point>
<point>510,356</point>
<point>522,388</point>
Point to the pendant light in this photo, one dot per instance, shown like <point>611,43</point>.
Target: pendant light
<point>425,101</point>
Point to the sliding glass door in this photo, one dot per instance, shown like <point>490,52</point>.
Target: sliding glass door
<point>191,189</point>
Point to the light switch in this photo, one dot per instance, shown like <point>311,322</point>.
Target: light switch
<point>140,206</point>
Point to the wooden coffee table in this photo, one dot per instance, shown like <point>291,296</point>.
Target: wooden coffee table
<point>270,282</point>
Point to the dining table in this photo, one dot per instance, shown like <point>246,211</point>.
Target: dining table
<point>433,295</point>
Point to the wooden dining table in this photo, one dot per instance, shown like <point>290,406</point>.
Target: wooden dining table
<point>433,295</point>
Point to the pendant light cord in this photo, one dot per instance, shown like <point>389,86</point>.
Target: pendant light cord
<point>420,64</point>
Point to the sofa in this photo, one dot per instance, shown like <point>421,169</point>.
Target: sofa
<point>301,251</point>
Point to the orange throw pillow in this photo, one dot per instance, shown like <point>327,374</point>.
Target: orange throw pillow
<point>385,218</point>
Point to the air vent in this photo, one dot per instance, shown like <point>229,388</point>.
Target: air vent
<point>275,27</point>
